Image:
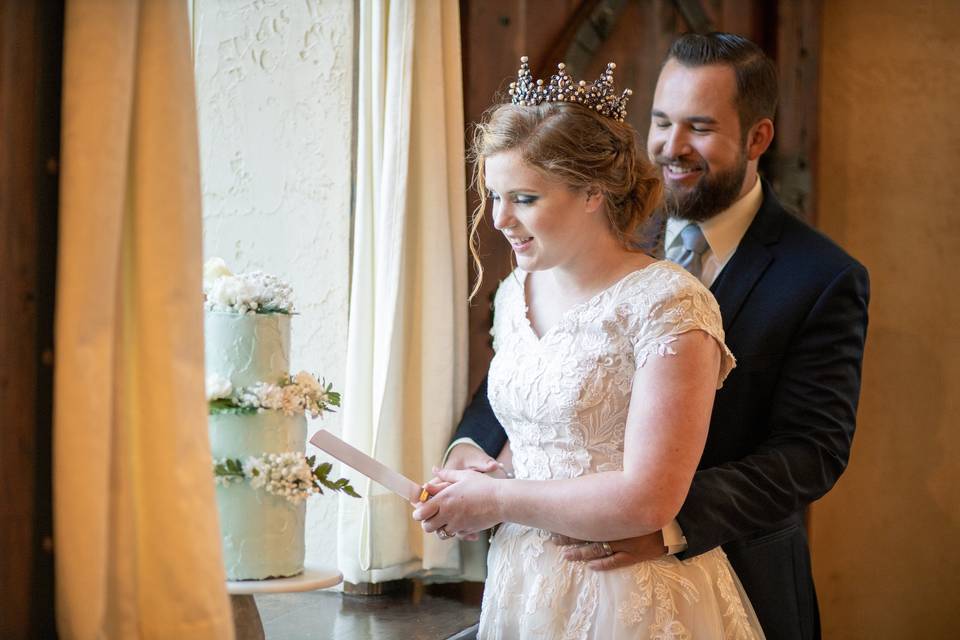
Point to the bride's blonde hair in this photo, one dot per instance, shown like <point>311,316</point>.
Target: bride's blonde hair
<point>577,146</point>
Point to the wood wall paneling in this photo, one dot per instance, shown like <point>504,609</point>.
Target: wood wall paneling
<point>495,33</point>
<point>797,137</point>
<point>30,52</point>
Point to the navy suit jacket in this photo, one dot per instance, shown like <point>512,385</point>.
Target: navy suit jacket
<point>794,309</point>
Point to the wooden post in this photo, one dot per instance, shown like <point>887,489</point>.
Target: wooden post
<point>31,35</point>
<point>798,64</point>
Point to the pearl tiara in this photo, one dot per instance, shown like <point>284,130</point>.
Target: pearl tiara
<point>600,96</point>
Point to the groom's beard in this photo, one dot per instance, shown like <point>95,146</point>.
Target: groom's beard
<point>713,193</point>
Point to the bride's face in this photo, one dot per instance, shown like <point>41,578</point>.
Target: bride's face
<point>547,223</point>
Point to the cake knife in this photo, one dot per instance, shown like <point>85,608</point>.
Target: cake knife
<point>373,469</point>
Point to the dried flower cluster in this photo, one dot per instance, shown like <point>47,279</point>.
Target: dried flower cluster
<point>293,395</point>
<point>287,475</point>
<point>250,292</point>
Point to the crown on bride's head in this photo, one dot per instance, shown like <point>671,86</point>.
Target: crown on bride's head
<point>600,96</point>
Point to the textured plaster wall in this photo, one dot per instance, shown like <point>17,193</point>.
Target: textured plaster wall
<point>274,92</point>
<point>885,540</point>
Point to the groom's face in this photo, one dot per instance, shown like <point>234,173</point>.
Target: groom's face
<point>695,139</point>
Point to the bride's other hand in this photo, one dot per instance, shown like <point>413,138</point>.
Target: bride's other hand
<point>624,552</point>
<point>468,504</point>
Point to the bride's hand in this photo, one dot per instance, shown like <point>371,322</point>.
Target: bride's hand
<point>615,554</point>
<point>432,487</point>
<point>466,505</point>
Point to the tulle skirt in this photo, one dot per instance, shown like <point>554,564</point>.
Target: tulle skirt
<point>533,592</point>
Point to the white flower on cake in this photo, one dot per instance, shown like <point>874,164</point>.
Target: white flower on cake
<point>218,387</point>
<point>286,475</point>
<point>255,469</point>
<point>213,269</point>
<point>249,292</point>
<point>290,475</point>
<point>308,383</point>
<point>293,395</point>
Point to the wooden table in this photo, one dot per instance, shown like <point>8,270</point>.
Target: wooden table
<point>246,616</point>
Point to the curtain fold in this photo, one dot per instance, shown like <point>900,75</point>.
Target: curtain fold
<point>137,546</point>
<point>406,354</point>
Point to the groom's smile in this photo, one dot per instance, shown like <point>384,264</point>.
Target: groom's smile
<point>678,174</point>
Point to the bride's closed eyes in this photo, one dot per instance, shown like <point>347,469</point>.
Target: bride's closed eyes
<point>516,198</point>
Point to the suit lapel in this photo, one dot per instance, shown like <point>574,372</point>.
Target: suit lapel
<point>750,260</point>
<point>739,277</point>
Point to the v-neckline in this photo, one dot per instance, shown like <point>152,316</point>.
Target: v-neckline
<point>574,307</point>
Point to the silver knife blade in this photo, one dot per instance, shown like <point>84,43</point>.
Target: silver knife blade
<point>373,469</point>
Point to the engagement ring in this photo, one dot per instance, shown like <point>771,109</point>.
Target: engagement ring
<point>443,533</point>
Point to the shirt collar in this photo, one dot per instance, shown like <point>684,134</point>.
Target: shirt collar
<point>723,231</point>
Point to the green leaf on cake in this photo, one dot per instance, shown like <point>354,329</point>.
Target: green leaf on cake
<point>228,406</point>
<point>341,485</point>
<point>228,468</point>
<point>333,397</point>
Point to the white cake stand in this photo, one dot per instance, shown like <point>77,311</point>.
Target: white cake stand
<point>246,617</point>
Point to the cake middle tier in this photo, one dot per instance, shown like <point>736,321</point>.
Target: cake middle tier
<point>261,533</point>
<point>243,435</point>
<point>247,348</point>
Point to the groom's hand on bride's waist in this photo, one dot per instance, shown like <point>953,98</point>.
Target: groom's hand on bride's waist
<point>615,554</point>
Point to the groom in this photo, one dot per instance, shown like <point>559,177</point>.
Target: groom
<point>794,309</point>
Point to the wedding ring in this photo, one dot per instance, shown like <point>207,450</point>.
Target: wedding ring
<point>443,533</point>
<point>424,494</point>
<point>607,550</point>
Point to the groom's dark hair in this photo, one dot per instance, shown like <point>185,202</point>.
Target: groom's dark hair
<point>756,75</point>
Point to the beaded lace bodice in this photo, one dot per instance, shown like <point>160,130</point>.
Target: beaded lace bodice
<point>563,397</point>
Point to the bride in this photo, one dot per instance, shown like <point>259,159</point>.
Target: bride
<point>605,368</point>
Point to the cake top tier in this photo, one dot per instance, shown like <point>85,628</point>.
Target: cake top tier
<point>244,293</point>
<point>247,348</point>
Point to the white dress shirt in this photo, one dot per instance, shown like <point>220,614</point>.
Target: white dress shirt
<point>723,233</point>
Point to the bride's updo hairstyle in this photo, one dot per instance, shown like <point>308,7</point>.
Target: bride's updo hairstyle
<point>576,145</point>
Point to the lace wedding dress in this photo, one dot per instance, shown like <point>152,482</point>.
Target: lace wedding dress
<point>563,400</point>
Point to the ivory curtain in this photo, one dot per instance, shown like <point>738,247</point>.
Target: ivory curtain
<point>137,547</point>
<point>406,355</point>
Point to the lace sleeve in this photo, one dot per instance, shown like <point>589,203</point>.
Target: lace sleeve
<point>677,303</point>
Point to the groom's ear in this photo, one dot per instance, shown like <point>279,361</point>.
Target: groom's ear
<point>759,138</point>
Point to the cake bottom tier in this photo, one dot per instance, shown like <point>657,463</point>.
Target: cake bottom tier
<point>262,534</point>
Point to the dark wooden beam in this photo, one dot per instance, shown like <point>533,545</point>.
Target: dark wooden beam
<point>793,167</point>
<point>30,61</point>
<point>557,51</point>
<point>694,15</point>
<point>494,34</point>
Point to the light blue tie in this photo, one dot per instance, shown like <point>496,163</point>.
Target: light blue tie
<point>694,246</point>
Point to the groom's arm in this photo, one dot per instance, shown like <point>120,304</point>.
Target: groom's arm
<point>480,426</point>
<point>812,420</point>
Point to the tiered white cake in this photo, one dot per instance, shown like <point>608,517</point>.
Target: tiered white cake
<point>262,534</point>
<point>257,424</point>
